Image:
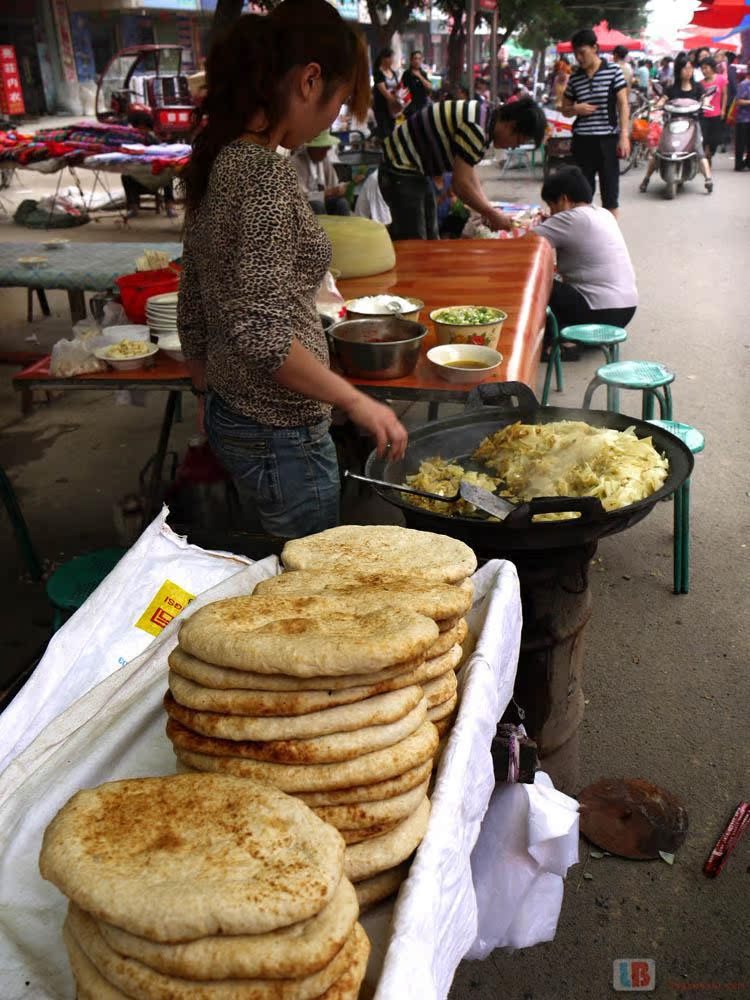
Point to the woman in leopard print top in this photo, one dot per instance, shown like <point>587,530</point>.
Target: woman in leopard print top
<point>254,257</point>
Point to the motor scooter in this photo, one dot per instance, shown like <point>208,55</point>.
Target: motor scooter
<point>677,153</point>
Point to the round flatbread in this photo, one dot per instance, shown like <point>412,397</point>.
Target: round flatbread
<point>169,858</point>
<point>431,598</point>
<point>447,639</point>
<point>445,725</point>
<point>367,833</point>
<point>348,986</point>
<point>136,979</point>
<point>380,710</point>
<point>447,624</point>
<point>362,815</point>
<point>440,689</point>
<point>443,710</point>
<point>271,704</point>
<point>371,891</point>
<point>364,860</point>
<point>210,676</point>
<point>90,983</point>
<point>367,769</point>
<point>289,952</point>
<point>382,549</point>
<point>316,750</point>
<point>378,792</point>
<point>436,667</point>
<point>305,636</point>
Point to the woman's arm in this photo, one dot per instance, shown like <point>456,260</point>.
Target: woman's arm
<point>302,372</point>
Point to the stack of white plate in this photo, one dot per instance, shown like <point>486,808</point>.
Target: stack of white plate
<point>161,313</point>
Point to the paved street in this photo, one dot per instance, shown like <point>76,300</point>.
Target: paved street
<point>666,677</point>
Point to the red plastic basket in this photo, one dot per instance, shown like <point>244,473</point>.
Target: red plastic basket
<point>136,289</point>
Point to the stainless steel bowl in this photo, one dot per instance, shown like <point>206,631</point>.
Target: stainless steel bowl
<point>383,347</point>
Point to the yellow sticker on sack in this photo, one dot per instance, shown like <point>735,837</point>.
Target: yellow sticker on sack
<point>170,599</point>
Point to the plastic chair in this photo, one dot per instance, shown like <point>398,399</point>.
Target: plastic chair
<point>650,377</point>
<point>695,441</point>
<point>554,360</point>
<point>73,582</point>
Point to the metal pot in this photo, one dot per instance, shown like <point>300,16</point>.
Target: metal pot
<point>382,347</point>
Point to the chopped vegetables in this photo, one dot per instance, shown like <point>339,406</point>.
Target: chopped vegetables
<point>468,315</point>
<point>565,458</point>
<point>128,349</point>
<point>436,475</point>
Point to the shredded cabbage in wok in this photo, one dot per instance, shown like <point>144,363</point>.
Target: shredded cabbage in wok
<point>566,458</point>
<point>437,475</point>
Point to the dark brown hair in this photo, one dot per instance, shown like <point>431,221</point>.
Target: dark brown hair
<point>247,69</point>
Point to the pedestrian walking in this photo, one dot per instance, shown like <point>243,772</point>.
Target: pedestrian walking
<point>742,127</point>
<point>450,136</point>
<point>714,107</point>
<point>385,101</point>
<point>597,97</point>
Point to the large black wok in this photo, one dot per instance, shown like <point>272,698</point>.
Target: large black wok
<point>489,408</point>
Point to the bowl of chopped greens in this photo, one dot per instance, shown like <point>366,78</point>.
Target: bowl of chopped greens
<point>479,325</point>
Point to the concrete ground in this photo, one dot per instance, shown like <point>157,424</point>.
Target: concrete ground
<point>666,678</point>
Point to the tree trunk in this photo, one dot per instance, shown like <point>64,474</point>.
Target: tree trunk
<point>456,51</point>
<point>226,13</point>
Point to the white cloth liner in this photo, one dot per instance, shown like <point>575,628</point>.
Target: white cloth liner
<point>116,730</point>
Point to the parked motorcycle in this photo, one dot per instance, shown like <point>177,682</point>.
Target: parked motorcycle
<point>678,152</point>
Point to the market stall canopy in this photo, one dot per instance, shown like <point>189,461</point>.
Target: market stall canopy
<point>721,15</point>
<point>608,39</point>
<point>516,51</point>
<point>707,42</point>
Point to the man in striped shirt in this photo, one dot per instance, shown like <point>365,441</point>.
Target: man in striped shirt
<point>450,136</point>
<point>597,96</point>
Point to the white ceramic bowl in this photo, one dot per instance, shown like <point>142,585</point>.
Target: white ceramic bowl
<point>481,334</point>
<point>170,344</point>
<point>127,364</point>
<point>439,358</point>
<point>412,314</point>
<point>128,331</point>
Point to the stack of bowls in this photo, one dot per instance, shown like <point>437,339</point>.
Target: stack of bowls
<point>161,314</point>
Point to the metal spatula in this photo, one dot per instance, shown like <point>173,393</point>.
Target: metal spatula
<point>480,498</point>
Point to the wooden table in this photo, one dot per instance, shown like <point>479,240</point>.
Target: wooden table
<point>514,275</point>
<point>75,268</point>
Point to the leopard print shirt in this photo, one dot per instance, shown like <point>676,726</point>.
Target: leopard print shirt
<point>253,259</point>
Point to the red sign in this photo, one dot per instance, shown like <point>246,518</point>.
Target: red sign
<point>11,95</point>
<point>490,5</point>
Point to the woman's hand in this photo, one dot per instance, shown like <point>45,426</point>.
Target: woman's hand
<point>382,423</point>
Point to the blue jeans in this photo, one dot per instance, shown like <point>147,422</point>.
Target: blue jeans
<point>287,478</point>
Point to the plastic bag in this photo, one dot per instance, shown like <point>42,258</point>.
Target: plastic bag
<point>329,300</point>
<point>73,357</point>
<point>528,840</point>
<point>114,315</point>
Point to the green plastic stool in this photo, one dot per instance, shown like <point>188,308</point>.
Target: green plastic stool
<point>555,359</point>
<point>601,335</point>
<point>695,441</point>
<point>73,582</point>
<point>650,377</point>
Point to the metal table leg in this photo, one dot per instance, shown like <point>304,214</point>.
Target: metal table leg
<point>152,492</point>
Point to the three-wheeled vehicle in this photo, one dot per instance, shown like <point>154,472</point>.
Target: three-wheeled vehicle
<point>144,86</point>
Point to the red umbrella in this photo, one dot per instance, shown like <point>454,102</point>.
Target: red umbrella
<point>608,39</point>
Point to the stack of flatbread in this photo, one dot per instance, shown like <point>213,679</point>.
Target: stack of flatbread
<point>327,684</point>
<point>206,887</point>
